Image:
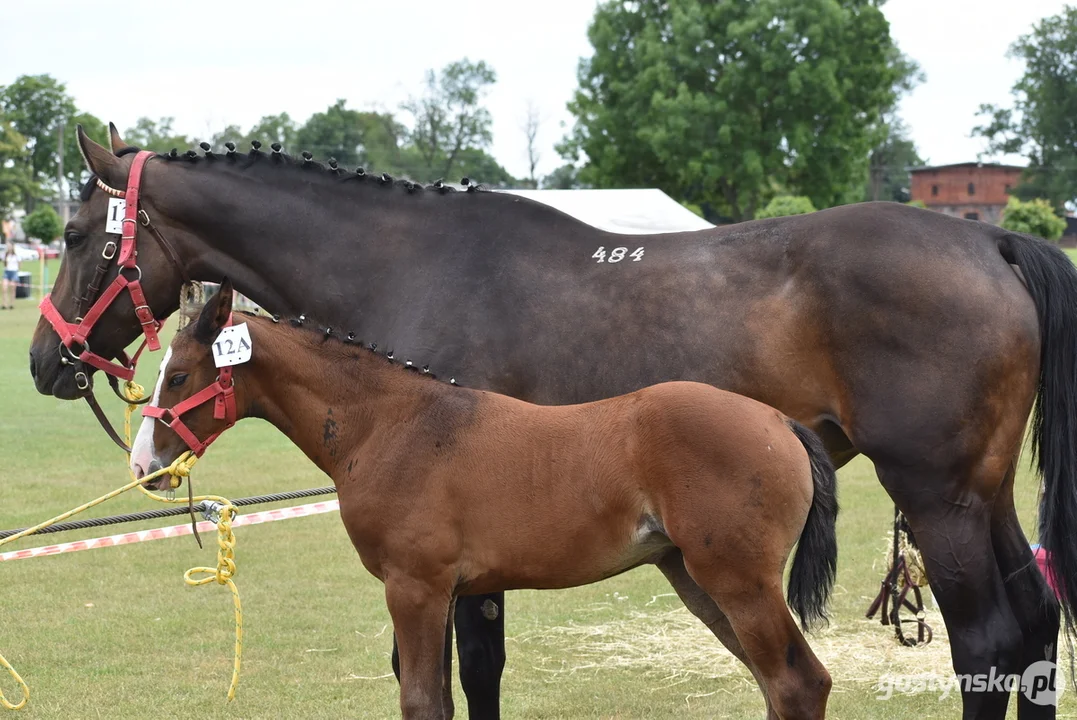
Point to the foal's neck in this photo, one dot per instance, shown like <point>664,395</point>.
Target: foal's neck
<point>329,397</point>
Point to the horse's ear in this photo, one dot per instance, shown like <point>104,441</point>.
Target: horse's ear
<point>214,314</point>
<point>100,161</point>
<point>114,139</point>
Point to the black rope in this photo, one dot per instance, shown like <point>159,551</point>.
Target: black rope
<point>169,512</point>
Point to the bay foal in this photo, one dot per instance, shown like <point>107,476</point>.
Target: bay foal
<point>447,491</point>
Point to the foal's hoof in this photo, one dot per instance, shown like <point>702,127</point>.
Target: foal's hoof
<point>489,610</point>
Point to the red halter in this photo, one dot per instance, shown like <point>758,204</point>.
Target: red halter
<point>76,333</point>
<point>221,392</point>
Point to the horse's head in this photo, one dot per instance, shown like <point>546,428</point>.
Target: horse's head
<point>194,400</point>
<point>90,266</point>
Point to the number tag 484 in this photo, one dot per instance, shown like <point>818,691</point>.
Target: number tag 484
<point>617,255</point>
<point>233,346</point>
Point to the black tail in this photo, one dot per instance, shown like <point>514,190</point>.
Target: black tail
<point>815,562</point>
<point>1052,281</point>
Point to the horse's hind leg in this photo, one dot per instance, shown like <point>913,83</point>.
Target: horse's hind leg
<point>1031,600</point>
<point>797,684</point>
<point>700,604</point>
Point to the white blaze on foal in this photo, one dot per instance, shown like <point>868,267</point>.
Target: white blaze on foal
<point>142,452</point>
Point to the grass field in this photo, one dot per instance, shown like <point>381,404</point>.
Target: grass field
<point>115,633</point>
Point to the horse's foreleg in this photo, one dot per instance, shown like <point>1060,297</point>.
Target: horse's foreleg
<point>700,604</point>
<point>480,644</point>
<point>420,611</point>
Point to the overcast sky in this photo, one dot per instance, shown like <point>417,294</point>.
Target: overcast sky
<point>211,64</point>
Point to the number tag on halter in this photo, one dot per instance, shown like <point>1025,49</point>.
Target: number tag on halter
<point>114,220</point>
<point>232,346</point>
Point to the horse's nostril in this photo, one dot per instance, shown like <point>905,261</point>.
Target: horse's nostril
<point>139,472</point>
<point>33,366</point>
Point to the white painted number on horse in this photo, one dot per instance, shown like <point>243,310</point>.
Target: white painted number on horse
<point>617,254</point>
<point>114,220</point>
<point>232,346</point>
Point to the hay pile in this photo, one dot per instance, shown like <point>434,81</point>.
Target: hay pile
<point>665,642</point>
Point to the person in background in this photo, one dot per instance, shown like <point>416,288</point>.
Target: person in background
<point>11,277</point>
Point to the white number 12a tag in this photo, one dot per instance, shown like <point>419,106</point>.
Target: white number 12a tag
<point>232,346</point>
<point>117,207</point>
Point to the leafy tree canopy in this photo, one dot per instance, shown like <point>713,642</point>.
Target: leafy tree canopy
<point>156,135</point>
<point>448,118</point>
<point>719,103</point>
<point>1040,124</point>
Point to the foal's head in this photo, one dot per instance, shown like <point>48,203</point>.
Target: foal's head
<point>189,368</point>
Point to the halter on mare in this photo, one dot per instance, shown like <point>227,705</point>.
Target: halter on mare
<point>77,332</point>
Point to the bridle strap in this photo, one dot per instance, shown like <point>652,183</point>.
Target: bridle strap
<point>100,415</point>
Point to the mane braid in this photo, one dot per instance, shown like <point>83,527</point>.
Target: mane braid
<point>305,161</point>
<point>357,346</point>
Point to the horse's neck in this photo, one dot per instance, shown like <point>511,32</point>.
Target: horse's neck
<point>292,251</point>
<point>329,399</point>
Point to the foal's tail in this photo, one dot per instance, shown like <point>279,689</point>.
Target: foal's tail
<point>815,562</point>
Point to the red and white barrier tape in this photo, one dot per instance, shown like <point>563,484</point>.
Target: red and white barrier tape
<point>174,531</point>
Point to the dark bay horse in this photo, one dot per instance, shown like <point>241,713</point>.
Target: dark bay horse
<point>920,340</point>
<point>447,490</point>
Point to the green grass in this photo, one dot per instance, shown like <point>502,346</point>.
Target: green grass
<point>115,633</point>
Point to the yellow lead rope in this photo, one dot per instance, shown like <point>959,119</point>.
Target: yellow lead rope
<point>226,541</point>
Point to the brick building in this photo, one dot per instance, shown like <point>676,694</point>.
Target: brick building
<point>977,191</point>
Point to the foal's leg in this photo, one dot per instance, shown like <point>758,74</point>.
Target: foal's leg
<point>420,612</point>
<point>1033,603</point>
<point>797,684</point>
<point>700,604</point>
<point>446,677</point>
<point>480,645</point>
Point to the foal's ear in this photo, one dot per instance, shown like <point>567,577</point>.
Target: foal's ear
<point>214,314</point>
<point>100,161</point>
<point>115,141</point>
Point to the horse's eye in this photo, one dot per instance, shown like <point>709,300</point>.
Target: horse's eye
<point>73,239</point>
<point>176,380</point>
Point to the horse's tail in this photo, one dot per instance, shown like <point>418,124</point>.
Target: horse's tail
<point>815,562</point>
<point>1051,280</point>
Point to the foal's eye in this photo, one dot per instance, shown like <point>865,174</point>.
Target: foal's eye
<point>176,380</point>
<point>73,239</point>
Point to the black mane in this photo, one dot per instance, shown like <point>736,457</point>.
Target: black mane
<point>278,158</point>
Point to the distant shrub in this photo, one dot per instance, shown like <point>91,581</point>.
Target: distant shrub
<point>1034,217</point>
<point>917,203</point>
<point>783,205</point>
<point>43,224</point>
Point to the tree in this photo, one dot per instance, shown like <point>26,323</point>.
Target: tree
<point>1035,217</point>
<point>274,128</point>
<point>566,177</point>
<point>888,176</point>
<point>531,125</point>
<point>353,137</point>
<point>448,118</point>
<point>37,105</point>
<point>1040,125</point>
<point>15,179</point>
<point>719,103</point>
<point>75,171</point>
<point>43,223</point>
<point>782,205</point>
<point>156,135</point>
<point>480,167</point>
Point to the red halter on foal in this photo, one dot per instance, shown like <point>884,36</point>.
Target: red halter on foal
<point>76,333</point>
<point>222,393</point>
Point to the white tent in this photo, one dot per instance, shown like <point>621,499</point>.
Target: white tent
<point>634,212</point>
